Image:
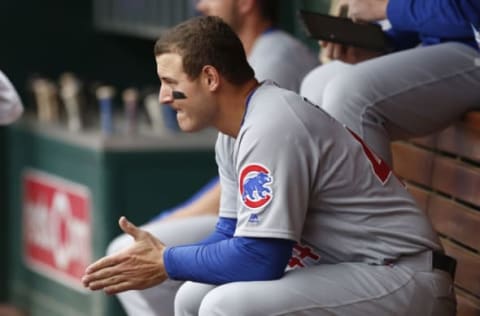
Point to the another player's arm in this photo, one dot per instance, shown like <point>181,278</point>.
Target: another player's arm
<point>207,204</point>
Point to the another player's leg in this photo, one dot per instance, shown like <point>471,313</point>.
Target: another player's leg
<point>158,300</point>
<point>315,82</point>
<point>405,94</point>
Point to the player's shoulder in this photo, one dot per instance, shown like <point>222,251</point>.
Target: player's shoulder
<point>285,104</point>
<point>281,38</point>
<point>269,93</point>
<point>279,56</point>
<point>283,43</point>
<point>274,108</point>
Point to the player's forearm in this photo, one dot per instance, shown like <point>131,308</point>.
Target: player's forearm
<point>231,260</point>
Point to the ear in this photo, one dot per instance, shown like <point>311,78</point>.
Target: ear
<point>210,77</point>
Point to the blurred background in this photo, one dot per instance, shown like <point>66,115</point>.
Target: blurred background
<point>93,144</point>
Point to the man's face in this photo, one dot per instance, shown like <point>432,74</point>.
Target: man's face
<point>194,112</point>
<point>225,9</point>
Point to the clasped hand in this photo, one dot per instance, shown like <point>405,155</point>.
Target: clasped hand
<point>137,267</point>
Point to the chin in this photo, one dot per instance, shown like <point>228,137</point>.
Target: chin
<point>190,125</point>
<point>190,128</point>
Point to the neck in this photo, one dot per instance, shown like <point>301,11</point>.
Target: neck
<point>233,106</point>
<point>251,31</point>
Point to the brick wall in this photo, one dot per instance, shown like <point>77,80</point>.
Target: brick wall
<point>442,171</point>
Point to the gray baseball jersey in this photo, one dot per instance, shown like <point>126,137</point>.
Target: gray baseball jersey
<point>295,173</point>
<point>10,106</point>
<point>278,56</point>
<point>287,65</point>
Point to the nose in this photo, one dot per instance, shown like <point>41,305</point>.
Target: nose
<point>165,96</point>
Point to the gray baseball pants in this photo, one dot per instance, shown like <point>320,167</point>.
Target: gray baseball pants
<point>400,95</point>
<point>409,287</point>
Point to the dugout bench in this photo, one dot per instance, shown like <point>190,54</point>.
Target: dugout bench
<point>442,171</point>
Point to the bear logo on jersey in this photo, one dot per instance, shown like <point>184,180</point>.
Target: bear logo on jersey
<point>254,182</point>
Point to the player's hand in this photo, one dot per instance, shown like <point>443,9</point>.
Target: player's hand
<point>346,53</point>
<point>367,10</point>
<point>138,267</point>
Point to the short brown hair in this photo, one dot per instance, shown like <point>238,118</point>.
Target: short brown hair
<point>207,40</point>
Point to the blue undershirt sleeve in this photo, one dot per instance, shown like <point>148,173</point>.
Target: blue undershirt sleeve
<point>222,258</point>
<point>442,18</point>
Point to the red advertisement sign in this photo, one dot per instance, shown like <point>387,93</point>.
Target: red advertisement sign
<point>56,227</point>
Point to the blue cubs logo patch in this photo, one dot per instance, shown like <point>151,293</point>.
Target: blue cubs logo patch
<point>255,180</point>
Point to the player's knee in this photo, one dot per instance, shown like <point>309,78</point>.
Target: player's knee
<point>182,303</point>
<point>216,304</point>
<point>226,300</point>
<point>348,96</point>
<point>314,83</point>
<point>189,297</point>
<point>311,88</point>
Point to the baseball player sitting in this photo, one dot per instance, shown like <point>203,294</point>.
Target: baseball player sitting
<point>11,107</point>
<point>311,222</point>
<point>428,81</point>
<point>273,54</point>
